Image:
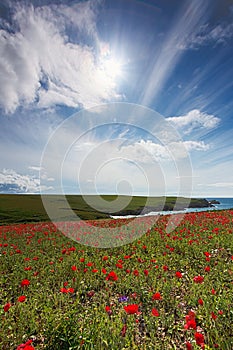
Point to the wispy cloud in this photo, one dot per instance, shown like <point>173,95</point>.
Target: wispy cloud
<point>40,64</point>
<point>191,16</point>
<point>221,184</point>
<point>193,120</point>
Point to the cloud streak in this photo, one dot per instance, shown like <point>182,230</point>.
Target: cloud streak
<point>191,17</point>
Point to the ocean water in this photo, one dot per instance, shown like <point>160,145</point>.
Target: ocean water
<point>225,203</point>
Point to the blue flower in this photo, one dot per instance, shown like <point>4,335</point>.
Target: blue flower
<point>123,298</point>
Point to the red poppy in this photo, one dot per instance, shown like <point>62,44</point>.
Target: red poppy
<point>22,298</point>
<point>213,316</point>
<point>25,283</point>
<point>27,268</point>
<point>188,345</point>
<point>70,290</point>
<point>155,312</point>
<point>190,324</point>
<point>119,265</point>
<point>178,274</point>
<point>156,296</point>
<point>26,346</point>
<point>199,338</point>
<point>73,268</point>
<point>112,276</point>
<point>131,309</point>
<point>108,310</point>
<point>198,279</point>
<point>6,307</point>
<point>207,254</point>
<point>200,302</point>
<point>123,331</point>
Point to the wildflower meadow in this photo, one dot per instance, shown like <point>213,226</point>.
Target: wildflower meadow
<point>161,291</point>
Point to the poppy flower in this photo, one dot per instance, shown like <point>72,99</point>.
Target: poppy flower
<point>213,316</point>
<point>26,346</point>
<point>123,331</point>
<point>112,276</point>
<point>108,310</point>
<point>190,324</point>
<point>200,302</point>
<point>178,274</point>
<point>6,307</point>
<point>70,290</point>
<point>156,296</point>
<point>22,298</point>
<point>199,338</point>
<point>155,312</point>
<point>25,283</point>
<point>131,309</point>
<point>188,345</point>
<point>198,279</point>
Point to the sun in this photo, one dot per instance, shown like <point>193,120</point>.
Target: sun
<point>112,67</point>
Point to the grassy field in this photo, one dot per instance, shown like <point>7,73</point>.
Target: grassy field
<point>29,208</point>
<point>162,291</point>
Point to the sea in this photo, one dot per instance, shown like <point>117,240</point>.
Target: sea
<point>225,203</point>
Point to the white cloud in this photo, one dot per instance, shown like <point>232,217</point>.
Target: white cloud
<point>195,145</point>
<point>23,183</point>
<point>146,152</point>
<point>40,64</point>
<point>193,120</point>
<point>34,168</point>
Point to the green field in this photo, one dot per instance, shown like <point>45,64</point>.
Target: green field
<point>29,208</point>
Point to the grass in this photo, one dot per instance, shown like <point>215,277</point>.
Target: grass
<point>29,208</point>
<point>77,293</point>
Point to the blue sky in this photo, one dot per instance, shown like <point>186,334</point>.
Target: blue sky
<point>123,96</point>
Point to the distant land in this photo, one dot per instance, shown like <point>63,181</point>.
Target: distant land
<point>22,208</point>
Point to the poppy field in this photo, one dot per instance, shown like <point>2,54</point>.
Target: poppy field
<point>164,290</point>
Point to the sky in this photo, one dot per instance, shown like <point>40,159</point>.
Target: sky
<point>117,96</point>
